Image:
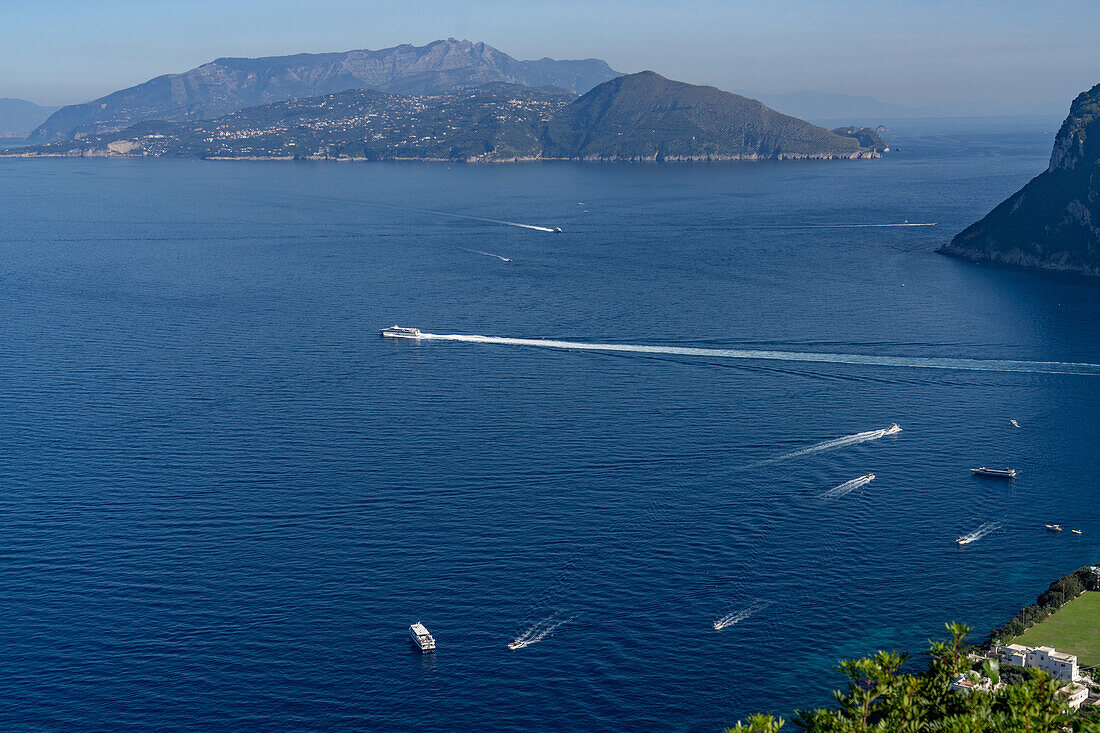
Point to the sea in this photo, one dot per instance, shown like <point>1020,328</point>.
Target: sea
<point>636,504</point>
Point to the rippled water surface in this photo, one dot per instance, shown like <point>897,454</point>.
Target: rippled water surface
<point>226,497</point>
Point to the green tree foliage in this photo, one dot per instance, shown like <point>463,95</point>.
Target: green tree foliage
<point>879,696</point>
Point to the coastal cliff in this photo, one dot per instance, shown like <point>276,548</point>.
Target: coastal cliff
<point>1054,221</point>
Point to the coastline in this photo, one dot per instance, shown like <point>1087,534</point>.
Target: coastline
<point>1017,258</point>
<point>655,158</point>
<point>1061,591</point>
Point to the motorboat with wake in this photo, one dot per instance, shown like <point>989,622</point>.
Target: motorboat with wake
<point>893,429</point>
<point>398,332</point>
<point>994,472</point>
<point>965,540</point>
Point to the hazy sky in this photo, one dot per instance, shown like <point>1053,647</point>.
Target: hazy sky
<point>911,52</point>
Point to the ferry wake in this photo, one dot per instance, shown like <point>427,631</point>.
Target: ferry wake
<point>909,362</point>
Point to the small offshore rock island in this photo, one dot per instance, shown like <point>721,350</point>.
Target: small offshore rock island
<point>637,117</point>
<point>1054,221</point>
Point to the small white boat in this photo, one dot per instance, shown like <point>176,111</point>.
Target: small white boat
<point>893,429</point>
<point>1076,531</point>
<point>965,540</point>
<point>421,638</point>
<point>1014,423</point>
<point>1054,527</point>
<point>557,230</point>
<point>996,472</point>
<point>869,477</point>
<point>397,332</point>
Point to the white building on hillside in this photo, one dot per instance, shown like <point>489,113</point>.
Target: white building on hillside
<point>1076,694</point>
<point>1060,666</point>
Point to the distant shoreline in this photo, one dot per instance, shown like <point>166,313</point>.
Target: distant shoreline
<point>100,153</point>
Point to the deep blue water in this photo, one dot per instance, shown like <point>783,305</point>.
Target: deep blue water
<point>225,497</point>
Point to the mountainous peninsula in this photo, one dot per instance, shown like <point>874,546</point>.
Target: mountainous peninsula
<point>645,116</point>
<point>1054,221</point>
<point>230,84</point>
<point>637,117</point>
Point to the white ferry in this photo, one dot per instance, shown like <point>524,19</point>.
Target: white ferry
<point>997,472</point>
<point>397,332</point>
<point>421,638</point>
<point>893,429</point>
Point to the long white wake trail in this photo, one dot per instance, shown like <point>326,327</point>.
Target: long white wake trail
<point>739,616</point>
<point>484,219</point>
<point>912,362</point>
<point>847,440</point>
<point>847,487</point>
<point>539,631</point>
<point>502,258</point>
<point>980,532</point>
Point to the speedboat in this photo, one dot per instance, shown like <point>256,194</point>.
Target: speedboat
<point>893,429</point>
<point>1014,423</point>
<point>869,477</point>
<point>964,540</point>
<point>1076,531</point>
<point>1054,527</point>
<point>996,472</point>
<point>421,638</point>
<point>557,230</point>
<point>398,332</point>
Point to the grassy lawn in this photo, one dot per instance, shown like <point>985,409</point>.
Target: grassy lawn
<point>1073,628</point>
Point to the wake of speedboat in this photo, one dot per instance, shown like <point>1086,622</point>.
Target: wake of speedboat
<point>844,442</point>
<point>738,616</point>
<point>489,221</point>
<point>538,631</point>
<point>977,534</point>
<point>848,487</point>
<point>915,362</point>
<point>487,254</point>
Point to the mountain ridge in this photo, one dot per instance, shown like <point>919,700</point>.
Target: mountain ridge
<point>231,83</point>
<point>19,116</point>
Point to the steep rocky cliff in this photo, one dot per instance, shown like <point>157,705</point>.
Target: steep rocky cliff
<point>1054,221</point>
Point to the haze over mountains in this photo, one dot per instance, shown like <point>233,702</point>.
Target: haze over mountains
<point>18,116</point>
<point>229,84</point>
